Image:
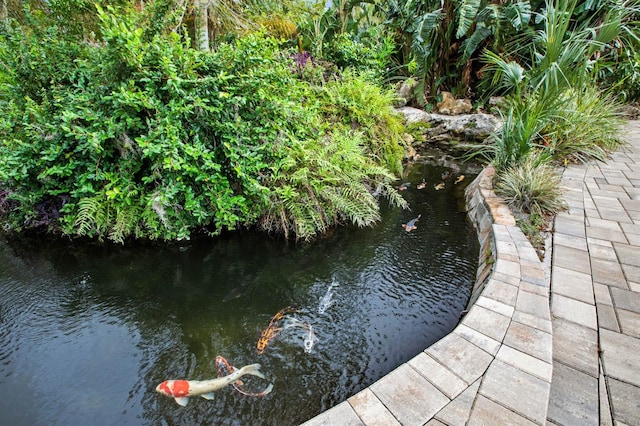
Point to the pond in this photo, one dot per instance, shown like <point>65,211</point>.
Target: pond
<point>87,332</point>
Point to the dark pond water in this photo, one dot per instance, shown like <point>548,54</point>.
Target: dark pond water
<point>86,332</point>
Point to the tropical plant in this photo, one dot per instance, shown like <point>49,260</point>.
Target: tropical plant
<point>531,186</point>
<point>153,139</point>
<point>326,182</point>
<point>586,127</point>
<point>440,42</point>
<point>354,102</point>
<point>523,120</point>
<point>551,103</point>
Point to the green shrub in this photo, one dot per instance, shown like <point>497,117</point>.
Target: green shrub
<point>532,187</point>
<point>130,138</point>
<point>356,103</point>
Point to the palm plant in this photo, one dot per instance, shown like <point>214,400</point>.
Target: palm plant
<point>442,39</point>
<point>552,104</point>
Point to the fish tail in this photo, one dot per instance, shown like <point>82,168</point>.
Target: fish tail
<point>254,370</point>
<point>267,390</point>
<point>419,216</point>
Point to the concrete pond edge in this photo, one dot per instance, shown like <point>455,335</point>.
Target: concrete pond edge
<point>495,367</point>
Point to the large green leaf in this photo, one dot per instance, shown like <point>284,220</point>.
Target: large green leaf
<point>466,16</point>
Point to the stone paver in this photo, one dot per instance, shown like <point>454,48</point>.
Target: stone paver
<point>596,369</point>
<point>574,397</point>
<point>558,350</point>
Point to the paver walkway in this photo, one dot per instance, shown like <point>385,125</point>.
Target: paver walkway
<point>510,361</point>
<point>595,293</point>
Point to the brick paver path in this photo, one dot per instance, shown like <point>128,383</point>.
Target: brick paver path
<point>595,293</point>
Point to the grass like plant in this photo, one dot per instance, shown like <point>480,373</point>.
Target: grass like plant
<point>531,187</point>
<point>586,127</point>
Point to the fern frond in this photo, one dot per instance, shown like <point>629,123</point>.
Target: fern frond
<point>85,222</point>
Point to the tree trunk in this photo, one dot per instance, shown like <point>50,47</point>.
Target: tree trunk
<point>201,24</point>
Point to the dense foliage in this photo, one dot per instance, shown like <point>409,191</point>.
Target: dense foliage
<point>121,137</point>
<point>158,119</point>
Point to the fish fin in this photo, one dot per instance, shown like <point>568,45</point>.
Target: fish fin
<point>254,370</point>
<point>267,390</point>
<point>182,400</point>
<point>208,396</point>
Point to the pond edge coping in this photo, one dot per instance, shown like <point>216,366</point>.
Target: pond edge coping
<point>495,367</point>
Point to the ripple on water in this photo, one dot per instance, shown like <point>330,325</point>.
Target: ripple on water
<point>90,335</point>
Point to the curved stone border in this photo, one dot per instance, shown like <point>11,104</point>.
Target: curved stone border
<point>495,366</point>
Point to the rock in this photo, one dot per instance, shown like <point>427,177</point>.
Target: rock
<point>453,106</point>
<point>405,92</point>
<point>470,127</point>
<point>454,132</point>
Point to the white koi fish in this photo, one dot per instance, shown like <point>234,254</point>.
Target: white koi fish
<point>326,300</point>
<point>181,390</point>
<point>310,339</point>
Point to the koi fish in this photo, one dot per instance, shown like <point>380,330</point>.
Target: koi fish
<point>310,339</point>
<point>445,175</point>
<point>272,331</point>
<point>325,301</point>
<point>459,179</point>
<point>439,186</point>
<point>404,186</point>
<point>267,335</point>
<point>181,390</point>
<point>411,225</point>
<point>422,184</point>
<point>225,369</point>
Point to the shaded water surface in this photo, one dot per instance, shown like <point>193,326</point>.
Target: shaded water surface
<point>88,332</point>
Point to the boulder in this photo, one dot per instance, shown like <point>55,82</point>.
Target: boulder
<point>452,106</point>
<point>466,127</point>
<point>452,132</point>
<point>405,91</point>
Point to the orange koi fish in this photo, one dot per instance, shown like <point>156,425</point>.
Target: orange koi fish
<point>411,225</point>
<point>459,179</point>
<point>439,186</point>
<point>272,331</point>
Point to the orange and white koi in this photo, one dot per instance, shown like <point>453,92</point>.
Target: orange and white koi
<point>225,368</point>
<point>182,390</point>
<point>439,186</point>
<point>411,225</point>
<point>422,184</point>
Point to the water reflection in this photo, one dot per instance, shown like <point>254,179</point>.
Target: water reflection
<point>88,332</point>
